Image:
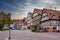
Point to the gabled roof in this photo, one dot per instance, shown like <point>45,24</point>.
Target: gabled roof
<point>51,13</point>
<point>39,11</point>
<point>17,21</point>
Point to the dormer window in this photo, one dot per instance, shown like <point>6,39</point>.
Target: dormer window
<point>44,15</point>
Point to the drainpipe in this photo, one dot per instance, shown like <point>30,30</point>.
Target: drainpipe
<point>51,29</point>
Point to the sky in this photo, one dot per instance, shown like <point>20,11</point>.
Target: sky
<point>20,8</point>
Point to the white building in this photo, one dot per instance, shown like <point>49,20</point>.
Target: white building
<point>29,20</point>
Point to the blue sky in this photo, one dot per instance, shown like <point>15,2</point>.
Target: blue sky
<point>20,8</point>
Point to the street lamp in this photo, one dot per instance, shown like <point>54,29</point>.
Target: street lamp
<point>9,15</point>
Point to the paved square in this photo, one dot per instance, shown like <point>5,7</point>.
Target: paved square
<point>28,35</point>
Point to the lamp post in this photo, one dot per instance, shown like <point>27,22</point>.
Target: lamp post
<point>9,15</point>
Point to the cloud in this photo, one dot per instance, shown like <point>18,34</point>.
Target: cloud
<point>9,5</point>
<point>27,4</point>
<point>50,1</point>
<point>28,1</point>
<point>21,10</point>
<point>27,7</point>
<point>19,7</point>
<point>18,16</point>
<point>52,4</point>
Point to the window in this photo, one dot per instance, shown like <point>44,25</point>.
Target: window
<point>53,22</point>
<point>44,14</point>
<point>47,23</point>
<point>54,28</point>
<point>58,22</point>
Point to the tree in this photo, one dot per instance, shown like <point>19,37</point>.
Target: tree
<point>1,27</point>
<point>5,19</point>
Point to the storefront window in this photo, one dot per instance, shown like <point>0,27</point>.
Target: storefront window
<point>59,23</point>
<point>54,22</point>
<point>45,24</point>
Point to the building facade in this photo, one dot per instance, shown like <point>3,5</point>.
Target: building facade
<point>46,20</point>
<point>50,20</point>
<point>29,20</point>
<point>36,19</point>
<point>24,23</point>
<point>18,24</point>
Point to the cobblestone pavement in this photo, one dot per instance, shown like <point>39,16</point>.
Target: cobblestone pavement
<point>3,35</point>
<point>28,35</point>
